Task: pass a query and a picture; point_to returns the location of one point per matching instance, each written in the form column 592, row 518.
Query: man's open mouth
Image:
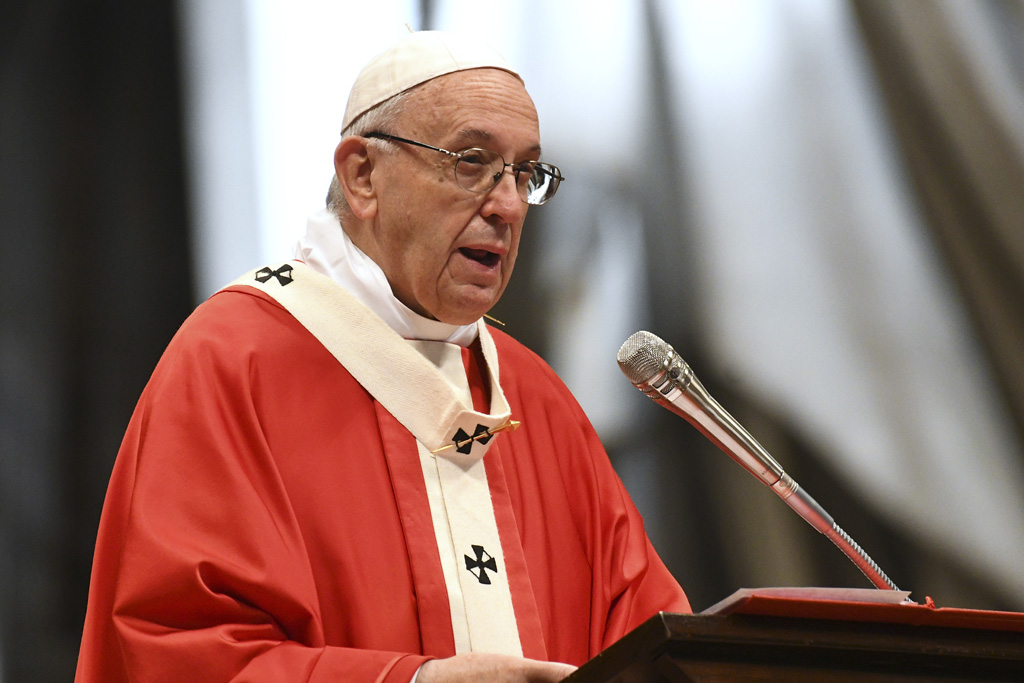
column 482, row 256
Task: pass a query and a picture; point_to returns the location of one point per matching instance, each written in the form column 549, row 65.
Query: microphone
column 657, row 370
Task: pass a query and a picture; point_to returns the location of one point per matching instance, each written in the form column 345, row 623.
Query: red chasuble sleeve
column 250, row 531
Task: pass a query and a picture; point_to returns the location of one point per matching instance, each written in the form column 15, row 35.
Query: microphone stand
column 657, row 370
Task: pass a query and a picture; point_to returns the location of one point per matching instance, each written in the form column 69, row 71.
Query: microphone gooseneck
column 657, row 370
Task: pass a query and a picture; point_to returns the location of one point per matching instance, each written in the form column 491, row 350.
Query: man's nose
column 504, row 200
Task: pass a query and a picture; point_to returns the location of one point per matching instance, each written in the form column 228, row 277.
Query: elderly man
column 338, row 471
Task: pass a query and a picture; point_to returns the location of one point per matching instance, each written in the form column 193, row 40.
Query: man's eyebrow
column 474, row 136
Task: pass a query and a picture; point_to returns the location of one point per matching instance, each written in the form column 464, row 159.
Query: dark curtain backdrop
column 95, row 278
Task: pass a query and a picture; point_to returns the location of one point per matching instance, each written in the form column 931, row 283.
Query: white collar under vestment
column 329, row 251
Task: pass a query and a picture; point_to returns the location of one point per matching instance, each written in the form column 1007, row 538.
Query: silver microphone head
column 643, row 356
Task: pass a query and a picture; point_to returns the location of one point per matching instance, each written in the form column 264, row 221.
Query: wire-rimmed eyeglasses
column 478, row 170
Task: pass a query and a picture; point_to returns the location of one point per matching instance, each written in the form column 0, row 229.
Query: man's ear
column 353, row 165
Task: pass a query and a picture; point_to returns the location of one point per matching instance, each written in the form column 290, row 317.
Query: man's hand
column 487, row 667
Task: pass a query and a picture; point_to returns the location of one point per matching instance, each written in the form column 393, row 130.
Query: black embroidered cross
column 283, row 274
column 464, row 442
column 479, row 564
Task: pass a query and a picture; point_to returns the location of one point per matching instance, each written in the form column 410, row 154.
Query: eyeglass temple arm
column 388, row 136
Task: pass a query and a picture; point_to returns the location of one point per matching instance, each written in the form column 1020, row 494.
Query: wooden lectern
column 816, row 635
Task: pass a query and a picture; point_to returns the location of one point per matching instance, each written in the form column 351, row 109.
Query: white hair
column 379, row 118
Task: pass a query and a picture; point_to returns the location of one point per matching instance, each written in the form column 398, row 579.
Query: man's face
column 448, row 252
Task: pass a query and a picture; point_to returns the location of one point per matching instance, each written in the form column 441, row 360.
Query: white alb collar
column 329, row 251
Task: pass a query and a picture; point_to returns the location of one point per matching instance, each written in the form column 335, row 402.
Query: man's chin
column 466, row 311
column 462, row 317
column 465, row 303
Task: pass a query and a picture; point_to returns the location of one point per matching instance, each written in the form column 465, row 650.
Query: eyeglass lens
column 478, row 170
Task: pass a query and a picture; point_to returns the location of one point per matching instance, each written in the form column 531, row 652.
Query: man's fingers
column 548, row 672
column 489, row 667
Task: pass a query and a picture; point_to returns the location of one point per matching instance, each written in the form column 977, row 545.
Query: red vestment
column 266, row 520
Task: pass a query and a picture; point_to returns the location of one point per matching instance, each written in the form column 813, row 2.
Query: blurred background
column 818, row 203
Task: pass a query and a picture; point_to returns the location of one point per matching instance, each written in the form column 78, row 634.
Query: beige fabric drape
column 952, row 73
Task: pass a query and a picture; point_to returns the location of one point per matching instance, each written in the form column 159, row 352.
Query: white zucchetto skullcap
column 415, row 59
